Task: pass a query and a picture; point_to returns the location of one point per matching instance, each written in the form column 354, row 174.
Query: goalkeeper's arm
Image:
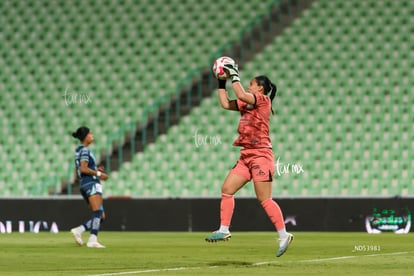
column 237, row 87
column 225, row 102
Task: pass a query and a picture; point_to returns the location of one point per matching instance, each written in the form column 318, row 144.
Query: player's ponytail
column 269, row 87
column 81, row 133
column 273, row 91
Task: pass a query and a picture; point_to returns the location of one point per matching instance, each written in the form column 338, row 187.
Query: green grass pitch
column 181, row 253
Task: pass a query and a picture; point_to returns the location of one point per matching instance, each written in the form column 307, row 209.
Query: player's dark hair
column 81, row 133
column 269, row 87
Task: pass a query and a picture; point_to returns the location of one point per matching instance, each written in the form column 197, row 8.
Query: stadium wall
column 195, row 214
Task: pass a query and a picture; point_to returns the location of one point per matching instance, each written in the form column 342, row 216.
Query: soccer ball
column 218, row 70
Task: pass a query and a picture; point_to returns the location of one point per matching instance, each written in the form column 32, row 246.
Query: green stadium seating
column 343, row 112
column 121, row 55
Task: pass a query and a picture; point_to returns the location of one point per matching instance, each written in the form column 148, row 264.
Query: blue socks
column 95, row 222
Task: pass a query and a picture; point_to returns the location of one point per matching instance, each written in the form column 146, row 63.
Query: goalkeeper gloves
column 233, row 72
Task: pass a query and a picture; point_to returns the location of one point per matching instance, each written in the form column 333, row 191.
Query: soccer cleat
column 77, row 234
column 218, row 236
column 284, row 244
column 94, row 244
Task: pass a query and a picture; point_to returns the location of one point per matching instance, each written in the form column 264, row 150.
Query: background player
column 90, row 187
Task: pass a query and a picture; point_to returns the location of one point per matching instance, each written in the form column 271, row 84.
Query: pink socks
column 226, row 209
column 271, row 208
column 273, row 211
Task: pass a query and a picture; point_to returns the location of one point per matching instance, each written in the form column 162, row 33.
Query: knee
column 227, row 191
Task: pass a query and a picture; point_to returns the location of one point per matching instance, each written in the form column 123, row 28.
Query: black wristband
column 221, row 84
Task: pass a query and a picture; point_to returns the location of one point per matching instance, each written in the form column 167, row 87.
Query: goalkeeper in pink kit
column 256, row 160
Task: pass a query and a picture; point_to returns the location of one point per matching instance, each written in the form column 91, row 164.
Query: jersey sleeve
column 84, row 155
column 262, row 100
column 240, row 104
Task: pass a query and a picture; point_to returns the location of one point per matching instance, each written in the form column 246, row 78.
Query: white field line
column 154, row 270
column 254, row 264
column 350, row 257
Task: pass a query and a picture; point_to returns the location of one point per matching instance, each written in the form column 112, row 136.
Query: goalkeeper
column 256, row 161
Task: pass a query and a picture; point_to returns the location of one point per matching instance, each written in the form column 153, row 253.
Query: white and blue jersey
column 82, row 153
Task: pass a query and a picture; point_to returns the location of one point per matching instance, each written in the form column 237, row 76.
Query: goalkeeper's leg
column 230, row 186
column 273, row 211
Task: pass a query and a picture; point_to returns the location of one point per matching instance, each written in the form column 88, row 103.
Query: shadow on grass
column 231, row 263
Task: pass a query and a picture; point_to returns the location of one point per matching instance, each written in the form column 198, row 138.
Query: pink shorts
column 256, row 164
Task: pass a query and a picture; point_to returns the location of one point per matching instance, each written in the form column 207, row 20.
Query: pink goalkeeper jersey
column 254, row 123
